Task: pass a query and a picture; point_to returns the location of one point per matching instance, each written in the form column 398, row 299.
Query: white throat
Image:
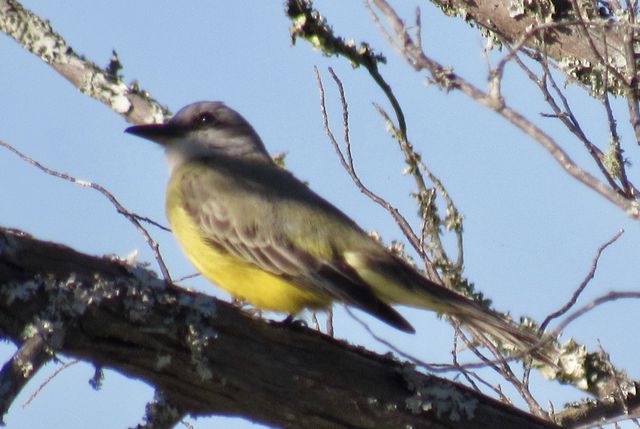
column 175, row 158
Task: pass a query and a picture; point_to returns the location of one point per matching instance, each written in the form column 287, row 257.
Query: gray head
column 205, row 129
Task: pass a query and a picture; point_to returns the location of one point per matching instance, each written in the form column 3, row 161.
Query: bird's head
column 204, row 129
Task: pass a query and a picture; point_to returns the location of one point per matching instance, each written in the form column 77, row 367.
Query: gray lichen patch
column 443, row 399
column 91, row 291
column 19, row 291
column 163, row 361
column 200, row 335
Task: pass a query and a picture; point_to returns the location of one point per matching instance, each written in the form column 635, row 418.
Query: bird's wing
column 251, row 221
column 239, row 220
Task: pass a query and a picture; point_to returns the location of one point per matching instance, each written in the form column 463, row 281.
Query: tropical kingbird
column 258, row 232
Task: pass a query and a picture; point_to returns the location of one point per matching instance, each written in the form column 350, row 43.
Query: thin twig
column 469, row 375
column 566, row 116
column 576, row 294
column 434, row 367
column 454, row 358
column 432, row 221
column 611, row 296
column 329, row 322
column 48, row 380
column 187, row 277
column 314, row 321
column 134, row 219
column 347, row 163
column 501, row 366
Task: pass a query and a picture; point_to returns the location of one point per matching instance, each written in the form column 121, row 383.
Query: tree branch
column 207, row 357
column 411, row 51
column 578, row 49
column 18, row 370
column 38, row 37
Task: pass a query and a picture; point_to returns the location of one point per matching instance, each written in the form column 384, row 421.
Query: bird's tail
column 396, row 282
column 483, row 322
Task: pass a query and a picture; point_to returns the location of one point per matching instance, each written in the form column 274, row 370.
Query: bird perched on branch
column 256, row 231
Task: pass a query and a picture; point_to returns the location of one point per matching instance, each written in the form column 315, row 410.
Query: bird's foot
column 291, row 322
column 246, row 307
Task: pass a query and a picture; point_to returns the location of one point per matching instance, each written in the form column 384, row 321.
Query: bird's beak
column 158, row 133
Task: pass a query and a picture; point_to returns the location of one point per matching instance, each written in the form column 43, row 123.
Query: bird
column 255, row 230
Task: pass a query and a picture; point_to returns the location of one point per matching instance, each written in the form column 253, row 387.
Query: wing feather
column 243, row 218
column 236, row 225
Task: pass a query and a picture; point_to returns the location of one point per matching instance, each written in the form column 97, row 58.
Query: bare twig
column 454, row 358
column 611, row 296
column 347, row 163
column 501, row 366
column 329, row 322
column 469, row 375
column 187, row 277
column 133, row 218
column 426, row 208
column 576, row 294
column 314, row 321
column 430, row 221
column 433, row 367
column 309, row 24
column 566, row 116
column 48, row 380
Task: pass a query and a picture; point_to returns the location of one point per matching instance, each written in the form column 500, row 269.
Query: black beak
column 158, row 133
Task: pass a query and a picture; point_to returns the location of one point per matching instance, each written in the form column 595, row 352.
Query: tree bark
column 208, row 357
column 580, row 42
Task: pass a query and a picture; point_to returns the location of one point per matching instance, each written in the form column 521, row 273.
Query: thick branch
column 599, row 412
column 208, row 357
column 568, row 45
column 37, row 36
column 18, row 370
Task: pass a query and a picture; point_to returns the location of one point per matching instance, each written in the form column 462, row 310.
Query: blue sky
column 530, row 230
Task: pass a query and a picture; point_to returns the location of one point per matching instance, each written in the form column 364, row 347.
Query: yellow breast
column 241, row 279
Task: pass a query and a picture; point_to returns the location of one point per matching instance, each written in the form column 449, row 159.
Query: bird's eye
column 206, row 119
